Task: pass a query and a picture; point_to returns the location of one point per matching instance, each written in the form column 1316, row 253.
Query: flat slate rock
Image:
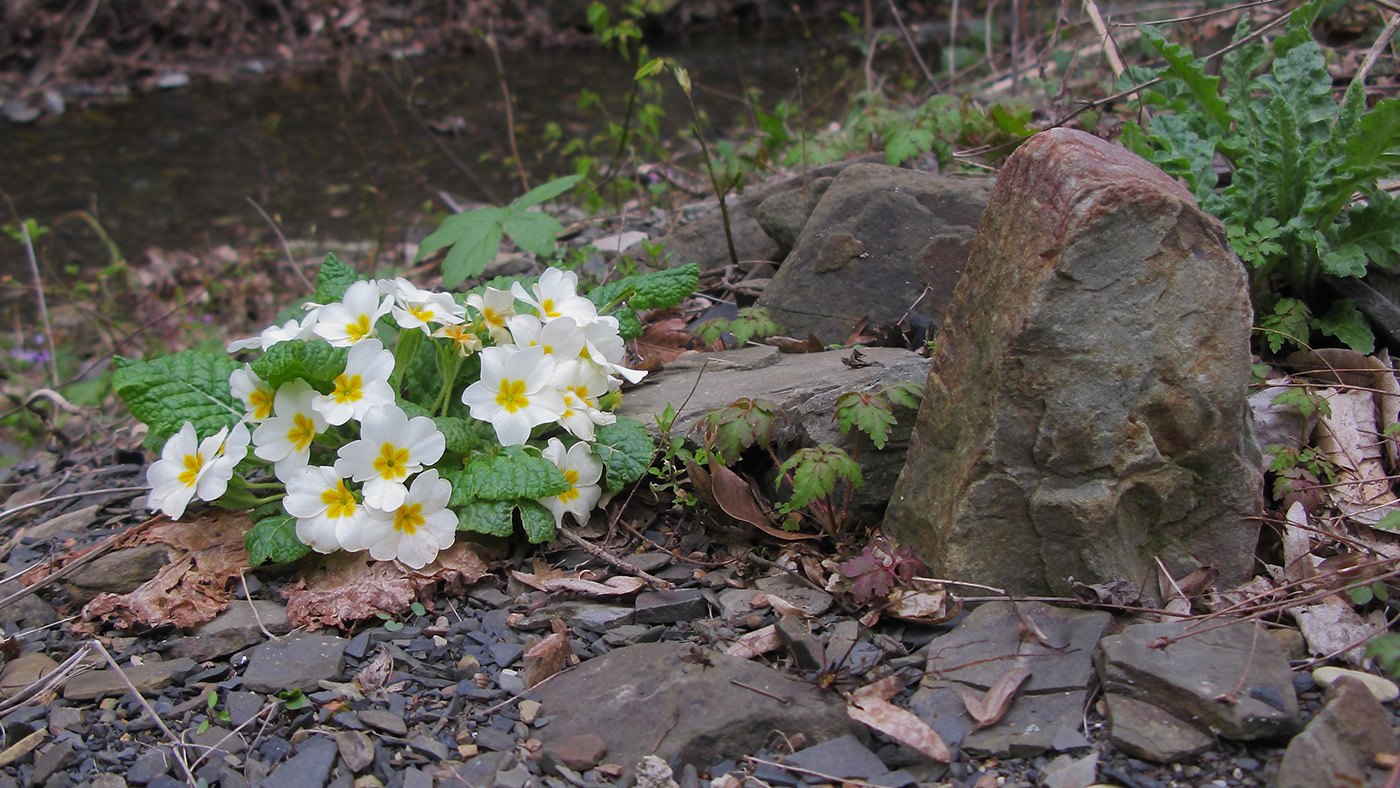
column 1234, row 680
column 146, row 678
column 298, row 662
column 685, row 705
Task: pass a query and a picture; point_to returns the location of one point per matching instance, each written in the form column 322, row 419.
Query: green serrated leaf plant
column 1303, row 199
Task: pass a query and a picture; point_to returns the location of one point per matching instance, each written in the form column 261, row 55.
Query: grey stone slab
column 297, row 662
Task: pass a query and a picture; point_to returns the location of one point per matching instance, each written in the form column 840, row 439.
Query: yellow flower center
column 348, row 388
column 392, row 462
column 338, row 500
column 571, row 476
column 302, row 431
column 261, row 401
column 512, row 396
column 193, row 464
column 547, row 306
column 423, row 313
column 409, row 518
column 359, row 329
column 493, row 318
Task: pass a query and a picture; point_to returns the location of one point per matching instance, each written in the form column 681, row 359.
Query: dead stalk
column 510, row 114
column 39, row 295
column 913, row 48
column 612, row 560
column 178, row 749
column 1377, row 48
column 49, row 681
column 286, row 247
column 1110, row 47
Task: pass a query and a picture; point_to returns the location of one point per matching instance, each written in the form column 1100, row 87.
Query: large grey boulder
column 881, row 243
column 1085, row 411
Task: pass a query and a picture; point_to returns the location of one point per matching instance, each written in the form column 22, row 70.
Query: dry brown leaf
column 790, row 345
column 1348, row 439
column 1331, row 625
column 1348, row 367
column 545, row 658
column 666, row 340
column 345, row 587
column 990, row 708
column 759, row 641
column 614, row 586
column 926, row 606
column 870, row 706
column 197, row 585
column 736, row 499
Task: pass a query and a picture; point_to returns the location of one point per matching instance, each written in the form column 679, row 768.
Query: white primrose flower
column 414, row 531
column 352, row 319
column 285, row 439
column 581, row 383
column 561, row 338
column 189, row 467
column 421, row 309
column 602, row 344
column 391, row 448
column 464, row 339
column 514, row 393
column 495, row 307
column 288, row 331
column 583, row 469
column 363, row 385
column 328, row 516
column 556, row 295
column 253, row 391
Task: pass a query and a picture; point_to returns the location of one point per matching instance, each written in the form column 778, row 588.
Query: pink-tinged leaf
column 989, row 709
column 869, row 706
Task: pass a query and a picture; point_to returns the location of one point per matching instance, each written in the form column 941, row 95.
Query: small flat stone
column 217, row 737
column 65, row 718
column 118, row 572
column 145, row 678
column 580, row 753
column 805, row 598
column 233, row 630
column 244, row 706
column 310, row 767
column 1340, row 744
column 426, row 745
column 843, row 757
column 1067, row 771
column 23, row 671
column 52, row 759
column 416, row 778
column 1383, row 689
column 669, row 607
column 1145, row 731
column 494, row 740
column 505, row 654
column 384, row 721
column 149, row 765
column 355, row 749
column 298, row 662
column 578, row 614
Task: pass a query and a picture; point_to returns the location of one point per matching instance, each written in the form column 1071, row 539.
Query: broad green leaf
column 1373, row 228
column 422, row 380
column 1344, row 260
column 655, row 290
column 459, row 227
column 906, row 393
column 333, row 279
column 1184, row 66
column 537, row 521
column 1377, row 136
column 1299, row 29
column 741, row 424
column 534, row 231
column 191, row 385
column 1136, row 140
column 904, row 141
column 312, row 360
column 626, row 449
column 1345, row 322
column 470, row 256
column 274, row 538
column 496, row 518
column 507, row 475
column 547, row 191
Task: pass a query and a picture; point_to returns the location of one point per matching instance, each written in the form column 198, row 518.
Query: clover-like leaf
column 815, row 470
column 626, row 449
column 164, row 393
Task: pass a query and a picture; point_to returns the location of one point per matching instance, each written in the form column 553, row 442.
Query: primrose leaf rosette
column 388, row 418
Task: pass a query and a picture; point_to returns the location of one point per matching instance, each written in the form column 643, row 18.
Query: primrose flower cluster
column 360, row 453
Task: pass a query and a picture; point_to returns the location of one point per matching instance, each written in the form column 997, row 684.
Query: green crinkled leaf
column 1345, row 322
column 312, row 360
column 1281, row 165
column 1184, row 66
column 1373, row 228
column 629, row 326
column 464, row 435
column 507, row 475
column 534, row 231
column 1376, row 137
column 1187, row 153
column 1300, row 78
column 496, row 518
column 626, row 450
column 333, row 279
column 1345, row 260
column 537, row 521
column 274, row 539
column 191, row 385
column 655, row 290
